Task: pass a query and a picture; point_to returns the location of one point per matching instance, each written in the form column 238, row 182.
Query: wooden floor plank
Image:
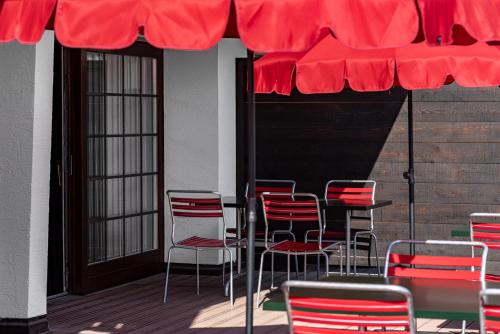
column 138, row 307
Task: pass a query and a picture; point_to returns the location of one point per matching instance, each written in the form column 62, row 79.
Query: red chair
column 186, row 207
column 489, row 311
column 354, row 191
column 438, row 266
column 322, row 312
column 297, row 208
column 485, row 227
column 272, row 186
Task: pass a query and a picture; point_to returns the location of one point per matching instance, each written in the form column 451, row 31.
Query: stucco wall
column 25, row 130
column 200, row 137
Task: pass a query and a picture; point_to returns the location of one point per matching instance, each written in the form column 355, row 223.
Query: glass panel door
column 122, row 164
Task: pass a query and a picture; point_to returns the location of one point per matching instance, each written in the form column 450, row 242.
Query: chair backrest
column 195, row 205
column 365, row 306
column 350, row 190
column 489, row 311
column 437, row 266
column 272, row 186
column 485, row 227
column 291, row 207
column 355, row 191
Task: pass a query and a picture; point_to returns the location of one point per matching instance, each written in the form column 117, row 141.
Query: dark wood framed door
column 116, row 166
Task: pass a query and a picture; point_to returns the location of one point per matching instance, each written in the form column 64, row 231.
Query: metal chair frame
column 483, row 295
column 484, row 236
column 289, row 232
column 237, row 243
column 472, row 244
column 268, row 249
column 370, row 232
column 404, row 292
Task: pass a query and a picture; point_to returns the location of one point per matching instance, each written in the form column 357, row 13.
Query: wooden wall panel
column 314, row 138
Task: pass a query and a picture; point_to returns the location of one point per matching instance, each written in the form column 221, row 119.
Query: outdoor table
column 432, row 298
column 350, row 206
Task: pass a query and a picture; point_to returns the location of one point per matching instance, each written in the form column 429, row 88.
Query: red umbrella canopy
column 263, row 25
column 330, row 66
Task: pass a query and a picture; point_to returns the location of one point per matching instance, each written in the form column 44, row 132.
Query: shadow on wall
column 315, row 138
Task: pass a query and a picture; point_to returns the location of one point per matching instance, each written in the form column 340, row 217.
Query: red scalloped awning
column 23, row 20
column 263, row 25
column 478, row 19
column 172, row 24
column 329, row 67
column 296, row 25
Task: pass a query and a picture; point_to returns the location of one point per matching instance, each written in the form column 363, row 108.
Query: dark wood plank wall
column 314, row 138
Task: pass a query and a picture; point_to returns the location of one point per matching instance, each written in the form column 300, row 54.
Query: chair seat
column 492, row 278
column 298, row 247
column 199, row 242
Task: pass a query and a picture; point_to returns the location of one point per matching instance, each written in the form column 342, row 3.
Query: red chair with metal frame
column 489, row 311
column 354, row 191
column 485, row 228
column 437, row 266
column 312, row 309
column 188, row 206
column 272, row 186
column 300, row 208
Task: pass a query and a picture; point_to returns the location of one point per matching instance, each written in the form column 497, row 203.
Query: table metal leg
column 348, row 241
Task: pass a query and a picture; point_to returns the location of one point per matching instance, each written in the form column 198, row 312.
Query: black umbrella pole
column 411, row 173
column 251, row 204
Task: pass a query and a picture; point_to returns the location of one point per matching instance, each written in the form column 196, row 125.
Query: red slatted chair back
column 293, row 208
column 335, row 308
column 489, row 313
column 437, row 266
column 351, row 190
column 272, row 186
column 189, row 206
column 485, row 227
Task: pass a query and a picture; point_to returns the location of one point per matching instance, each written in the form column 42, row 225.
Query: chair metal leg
column 223, row 267
column 327, row 265
column 376, row 252
column 259, row 283
column 296, row 259
column 272, row 265
column 464, row 325
column 341, row 253
column 355, row 254
column 197, row 274
column 231, row 296
column 168, row 270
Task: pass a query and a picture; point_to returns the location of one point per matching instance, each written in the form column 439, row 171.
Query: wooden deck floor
column 137, row 308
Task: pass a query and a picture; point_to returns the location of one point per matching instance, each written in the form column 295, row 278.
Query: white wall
column 200, row 135
column 26, row 74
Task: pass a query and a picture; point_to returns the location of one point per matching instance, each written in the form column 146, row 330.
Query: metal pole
column 410, row 174
column 251, row 204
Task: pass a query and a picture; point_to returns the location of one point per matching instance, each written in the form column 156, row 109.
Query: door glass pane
column 122, row 159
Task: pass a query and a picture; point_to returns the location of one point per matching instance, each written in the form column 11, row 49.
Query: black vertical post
column 410, row 175
column 251, row 204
